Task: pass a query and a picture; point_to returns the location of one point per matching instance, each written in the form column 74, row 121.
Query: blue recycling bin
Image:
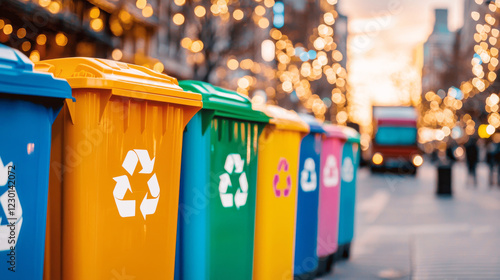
column 29, row 103
column 306, row 257
column 349, row 169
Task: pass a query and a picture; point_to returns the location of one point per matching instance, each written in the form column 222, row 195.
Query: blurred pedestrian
column 472, row 156
column 491, row 151
column 450, row 153
column 496, row 158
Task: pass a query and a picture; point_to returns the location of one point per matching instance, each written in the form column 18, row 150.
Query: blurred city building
column 439, row 55
column 459, row 79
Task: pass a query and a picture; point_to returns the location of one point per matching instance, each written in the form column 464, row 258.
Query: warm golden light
column 200, row 11
column 186, row 43
column 35, row 56
column 260, row 10
column 159, row 67
column 117, row 54
column 44, row 3
column 21, row 33
column 147, row 11
column 418, row 160
column 197, row 46
column 97, row 24
column 54, row 7
column 26, row 46
column 263, row 23
column 238, row 14
column 232, row 64
column 61, row 39
column 7, row 29
column 178, row 19
column 180, row 2
column 41, row 39
column 377, row 158
column 95, row 12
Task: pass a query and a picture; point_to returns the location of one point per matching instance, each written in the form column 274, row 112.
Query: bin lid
column 225, row 103
column 17, row 77
column 124, row 79
column 314, row 124
column 283, row 119
column 351, row 134
column 334, row 131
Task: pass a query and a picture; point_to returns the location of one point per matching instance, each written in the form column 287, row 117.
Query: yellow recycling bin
column 278, row 164
column 115, row 170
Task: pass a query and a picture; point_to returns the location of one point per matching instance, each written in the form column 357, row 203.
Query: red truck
column 395, row 140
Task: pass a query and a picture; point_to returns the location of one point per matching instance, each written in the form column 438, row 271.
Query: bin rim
column 314, row 124
column 352, row 136
column 334, row 131
column 121, row 78
column 224, row 102
column 18, row 78
column 283, row 118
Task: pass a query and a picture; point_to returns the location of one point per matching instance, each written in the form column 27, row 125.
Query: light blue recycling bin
column 306, row 235
column 29, row 103
column 349, row 170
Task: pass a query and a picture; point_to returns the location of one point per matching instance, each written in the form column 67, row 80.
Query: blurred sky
column 386, row 38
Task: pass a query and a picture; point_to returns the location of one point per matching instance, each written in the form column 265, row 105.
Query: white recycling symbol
column 331, row 176
column 126, row 208
column 233, row 165
column 308, row 177
column 347, row 170
column 11, row 208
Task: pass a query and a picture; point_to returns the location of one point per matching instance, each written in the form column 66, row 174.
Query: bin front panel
column 276, row 203
column 121, row 167
column 233, row 172
column 306, row 258
column 350, row 162
column 329, row 194
column 217, row 206
column 24, row 171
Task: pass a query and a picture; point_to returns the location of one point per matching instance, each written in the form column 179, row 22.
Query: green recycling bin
column 218, row 187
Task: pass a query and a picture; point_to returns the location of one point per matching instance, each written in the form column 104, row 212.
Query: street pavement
column 404, row 231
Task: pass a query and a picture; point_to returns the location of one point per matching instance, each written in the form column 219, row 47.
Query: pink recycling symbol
column 282, row 166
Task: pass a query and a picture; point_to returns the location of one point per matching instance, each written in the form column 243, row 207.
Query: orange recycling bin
column 114, row 172
column 278, row 164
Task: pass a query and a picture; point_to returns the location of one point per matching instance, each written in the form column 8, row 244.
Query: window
column 396, row 136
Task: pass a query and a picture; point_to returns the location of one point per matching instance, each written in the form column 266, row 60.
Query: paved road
column 404, row 231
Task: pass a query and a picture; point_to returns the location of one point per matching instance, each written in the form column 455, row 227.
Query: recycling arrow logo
column 282, row 166
column 126, row 208
column 348, row 170
column 308, row 178
column 234, row 165
column 11, row 207
column 331, row 176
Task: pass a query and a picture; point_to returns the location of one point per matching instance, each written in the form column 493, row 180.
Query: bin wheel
column 330, row 264
column 346, row 253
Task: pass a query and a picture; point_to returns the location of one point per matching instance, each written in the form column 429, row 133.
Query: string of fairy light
column 485, row 63
column 294, row 72
column 297, row 66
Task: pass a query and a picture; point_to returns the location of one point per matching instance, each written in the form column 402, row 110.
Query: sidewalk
column 404, row 231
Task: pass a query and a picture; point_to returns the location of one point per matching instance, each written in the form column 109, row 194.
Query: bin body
column 350, row 164
column 279, row 147
column 306, row 257
column 114, row 214
column 218, row 186
column 29, row 102
column 331, row 156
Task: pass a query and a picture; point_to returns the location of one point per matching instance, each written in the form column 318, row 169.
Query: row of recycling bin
column 110, row 170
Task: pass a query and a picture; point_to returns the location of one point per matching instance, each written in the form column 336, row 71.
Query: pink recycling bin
column 329, row 194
